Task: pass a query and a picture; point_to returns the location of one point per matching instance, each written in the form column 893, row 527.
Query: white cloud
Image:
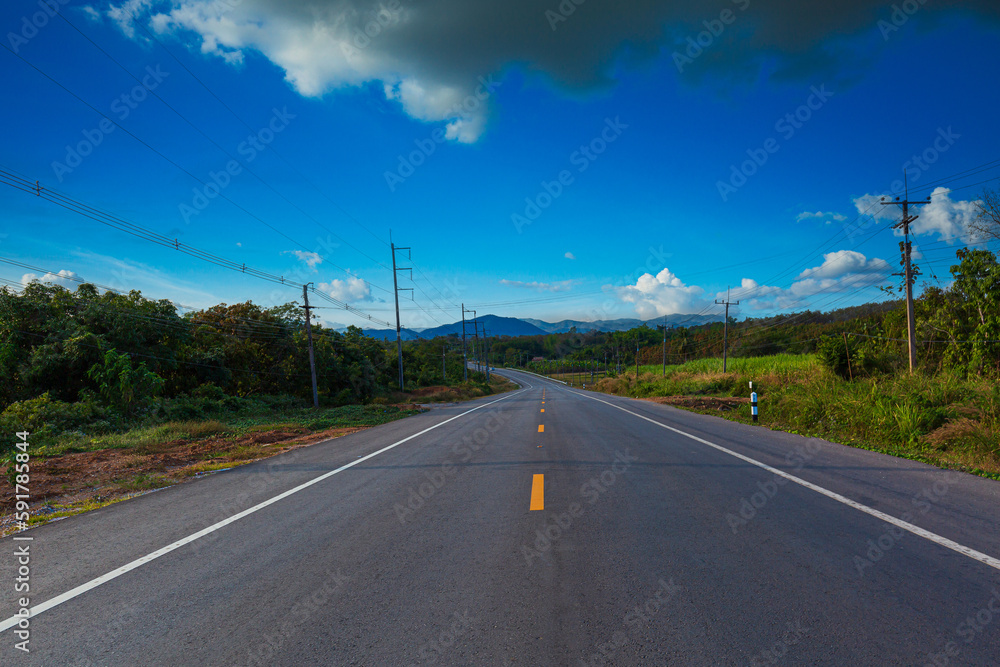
column 323, row 46
column 68, row 279
column 662, row 294
column 828, row 216
column 350, row 290
column 947, row 218
column 122, row 14
column 942, row 216
column 840, row 271
column 569, row 255
column 310, row 259
column 561, row 286
column 845, row 262
column 428, row 56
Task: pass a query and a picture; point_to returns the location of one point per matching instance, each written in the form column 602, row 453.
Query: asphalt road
column 651, row 547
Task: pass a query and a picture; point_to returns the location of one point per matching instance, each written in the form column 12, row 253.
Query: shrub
column 123, row 386
column 46, row 418
column 833, row 354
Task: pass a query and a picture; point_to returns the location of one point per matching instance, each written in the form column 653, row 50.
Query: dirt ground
column 701, row 402
column 63, row 482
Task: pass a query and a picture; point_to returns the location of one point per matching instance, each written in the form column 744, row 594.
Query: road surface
column 545, row 526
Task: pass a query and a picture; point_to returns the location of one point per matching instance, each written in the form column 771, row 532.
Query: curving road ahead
column 546, row 526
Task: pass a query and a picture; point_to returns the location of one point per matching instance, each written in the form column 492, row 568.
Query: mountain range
column 512, row 326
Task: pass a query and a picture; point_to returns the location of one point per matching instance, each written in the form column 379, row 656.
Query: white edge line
column 888, row 518
column 103, row 579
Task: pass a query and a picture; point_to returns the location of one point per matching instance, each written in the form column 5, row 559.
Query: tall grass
column 943, row 419
column 776, row 364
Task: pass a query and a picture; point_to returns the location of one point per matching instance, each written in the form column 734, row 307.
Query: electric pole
column 911, row 325
column 725, row 328
column 309, row 334
column 395, row 284
column 486, row 350
column 465, row 349
column 664, row 346
column 475, row 342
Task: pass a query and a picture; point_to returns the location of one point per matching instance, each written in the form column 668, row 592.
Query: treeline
column 125, row 352
column 958, row 329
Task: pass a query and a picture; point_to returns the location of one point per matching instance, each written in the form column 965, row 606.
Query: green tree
column 125, row 386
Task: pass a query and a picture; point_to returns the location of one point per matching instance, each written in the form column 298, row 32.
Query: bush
column 125, row 387
column 46, row 418
column 855, row 359
column 833, row 354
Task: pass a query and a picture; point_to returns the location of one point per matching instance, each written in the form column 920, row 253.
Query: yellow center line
column 541, row 428
column 543, row 409
column 538, row 492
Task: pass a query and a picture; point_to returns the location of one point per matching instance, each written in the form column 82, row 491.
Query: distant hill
column 623, row 324
column 495, row 325
column 512, row 326
column 390, row 334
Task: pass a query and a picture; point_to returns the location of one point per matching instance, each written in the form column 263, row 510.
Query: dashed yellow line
column 543, row 409
column 541, row 428
column 538, row 492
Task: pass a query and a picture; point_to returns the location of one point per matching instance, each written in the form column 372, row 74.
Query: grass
column 149, row 439
column 147, row 458
column 944, row 420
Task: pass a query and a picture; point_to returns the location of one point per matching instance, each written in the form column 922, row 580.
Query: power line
column 244, row 123
column 121, row 224
column 221, row 195
column 214, row 143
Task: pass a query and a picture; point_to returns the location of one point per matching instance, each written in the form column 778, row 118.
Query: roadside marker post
column 753, row 403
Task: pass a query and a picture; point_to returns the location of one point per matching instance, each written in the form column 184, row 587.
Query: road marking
column 888, row 518
column 541, row 428
column 543, row 409
column 83, row 588
column 538, row 492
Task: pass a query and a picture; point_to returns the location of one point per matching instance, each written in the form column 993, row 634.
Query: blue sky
column 585, row 168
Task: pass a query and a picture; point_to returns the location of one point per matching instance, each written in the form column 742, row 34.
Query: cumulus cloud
column 350, row 290
column 946, row 217
column 429, row 55
column 68, row 279
column 662, row 294
column 843, row 270
column 310, row 259
column 561, row 286
column 845, row 262
column 942, row 216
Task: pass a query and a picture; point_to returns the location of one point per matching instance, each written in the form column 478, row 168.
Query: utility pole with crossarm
column 396, row 290
column 725, row 328
column 309, row 333
column 911, row 326
column 465, row 349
